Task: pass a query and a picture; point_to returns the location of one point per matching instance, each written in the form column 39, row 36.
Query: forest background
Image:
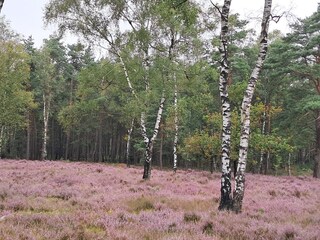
column 59, row 101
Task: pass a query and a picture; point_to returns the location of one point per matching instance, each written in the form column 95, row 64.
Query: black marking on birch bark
column 1, row 4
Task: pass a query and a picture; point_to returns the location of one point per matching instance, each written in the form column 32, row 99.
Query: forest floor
column 82, row 201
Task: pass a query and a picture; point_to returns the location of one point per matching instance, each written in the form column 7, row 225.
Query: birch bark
column 28, row 135
column 1, row 4
column 46, row 109
column 129, row 143
column 176, row 126
column 245, row 110
column 225, row 199
column 150, row 141
column 263, row 132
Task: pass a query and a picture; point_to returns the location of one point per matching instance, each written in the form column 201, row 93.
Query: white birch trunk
column 129, row 143
column 176, row 126
column 225, row 199
column 149, row 142
column 263, row 131
column 245, row 110
column 125, row 70
column 28, row 135
column 46, row 108
column 289, row 164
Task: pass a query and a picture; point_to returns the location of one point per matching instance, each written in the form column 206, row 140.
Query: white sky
column 26, row 16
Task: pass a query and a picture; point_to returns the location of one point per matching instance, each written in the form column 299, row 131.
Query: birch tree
column 245, row 109
column 44, row 76
column 177, row 31
column 99, row 22
column 227, row 201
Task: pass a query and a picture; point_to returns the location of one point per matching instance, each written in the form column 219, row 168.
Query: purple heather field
column 62, row 200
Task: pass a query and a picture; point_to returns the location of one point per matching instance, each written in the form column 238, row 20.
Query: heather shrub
column 71, row 201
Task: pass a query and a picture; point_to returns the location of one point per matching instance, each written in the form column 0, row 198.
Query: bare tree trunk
column 176, row 126
column 100, row 145
column 316, row 167
column 225, row 199
column 28, row 135
column 95, row 146
column 66, row 155
column 245, row 110
column 289, row 164
column 129, row 143
column 266, row 168
column 46, row 107
column 161, row 149
column 263, row 132
column 1, row 139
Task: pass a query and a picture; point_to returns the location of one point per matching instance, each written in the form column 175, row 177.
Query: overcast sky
column 26, row 16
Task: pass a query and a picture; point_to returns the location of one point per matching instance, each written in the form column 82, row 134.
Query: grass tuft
column 141, row 204
column 191, row 217
column 172, row 227
column 289, row 234
column 272, row 193
column 208, row 228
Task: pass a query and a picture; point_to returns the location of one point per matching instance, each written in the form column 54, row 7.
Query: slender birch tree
column 44, row 71
column 226, row 198
column 87, row 19
column 178, row 27
column 176, row 125
column 245, row 109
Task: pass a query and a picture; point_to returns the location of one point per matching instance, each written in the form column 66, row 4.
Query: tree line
column 154, row 98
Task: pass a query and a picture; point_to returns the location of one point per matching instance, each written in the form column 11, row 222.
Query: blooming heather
column 63, row 200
